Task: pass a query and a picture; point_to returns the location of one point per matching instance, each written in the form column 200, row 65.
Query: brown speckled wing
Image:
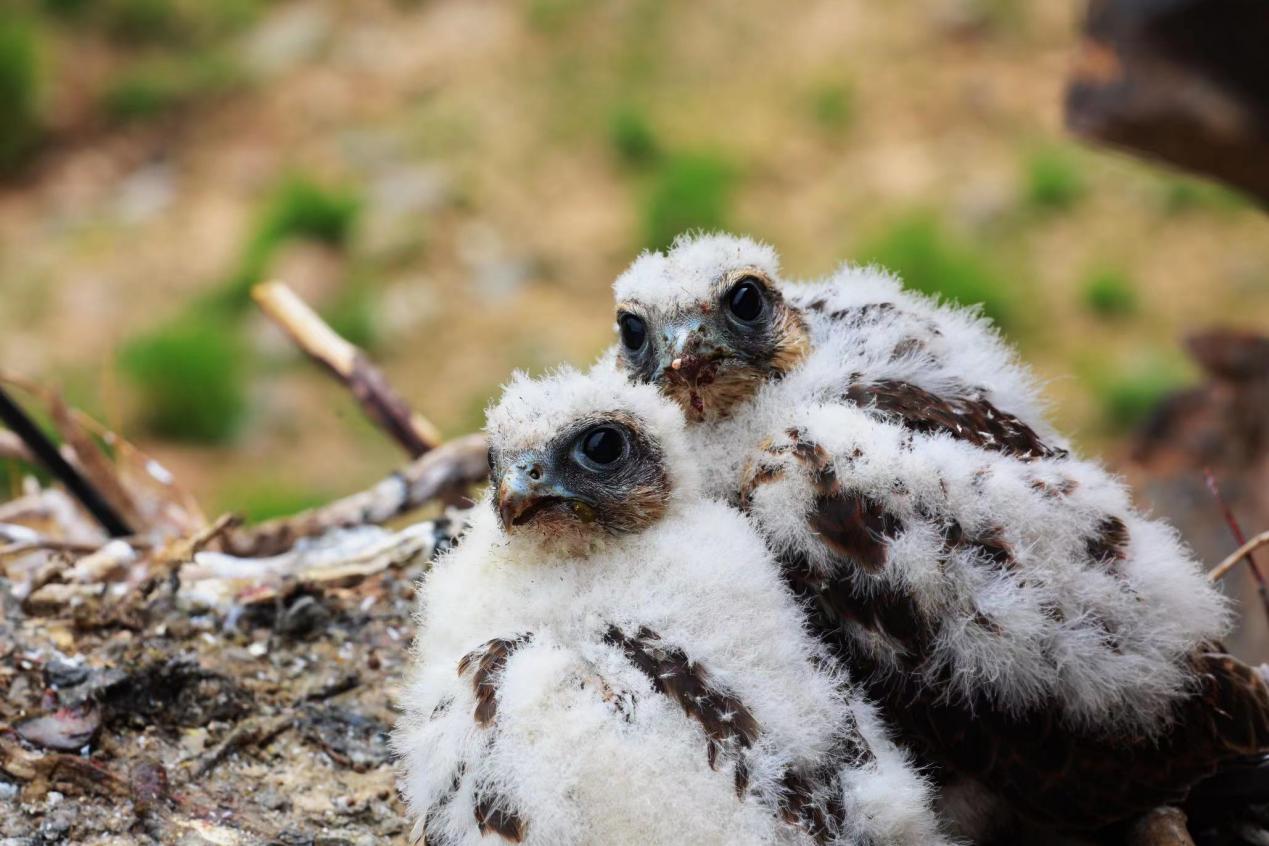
column 1086, row 781
column 1048, row 771
column 971, row 419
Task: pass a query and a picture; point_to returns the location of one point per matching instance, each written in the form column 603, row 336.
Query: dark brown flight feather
column 431, row 836
column 812, row 800
column 729, row 725
column 971, row 419
column 493, row 814
column 853, row 527
column 489, row 660
column 1109, row 544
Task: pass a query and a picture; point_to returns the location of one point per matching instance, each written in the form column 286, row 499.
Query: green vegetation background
column 455, row 184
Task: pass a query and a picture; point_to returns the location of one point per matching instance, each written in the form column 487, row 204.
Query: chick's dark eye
column 744, row 300
column 602, row 446
column 634, row 332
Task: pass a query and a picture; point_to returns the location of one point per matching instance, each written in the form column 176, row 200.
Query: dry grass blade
column 92, row 462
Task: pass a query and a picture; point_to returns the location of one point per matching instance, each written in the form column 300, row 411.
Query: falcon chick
column 1022, row 624
column 609, row 657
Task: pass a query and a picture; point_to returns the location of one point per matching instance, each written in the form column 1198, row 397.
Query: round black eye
column 745, row 300
column 634, row 332
column 602, row 446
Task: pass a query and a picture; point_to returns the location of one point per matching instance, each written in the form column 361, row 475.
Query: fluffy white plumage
column 1156, row 599
column 903, row 465
column 583, row 747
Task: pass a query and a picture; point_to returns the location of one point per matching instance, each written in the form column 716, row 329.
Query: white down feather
column 574, row 765
column 1156, row 601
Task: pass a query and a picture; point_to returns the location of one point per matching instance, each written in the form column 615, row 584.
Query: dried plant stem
column 1238, row 555
column 1239, row 537
column 350, row 365
column 446, row 472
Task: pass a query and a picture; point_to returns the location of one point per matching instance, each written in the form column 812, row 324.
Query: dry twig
column 381, row 403
column 1219, row 571
column 446, row 473
column 49, row 456
column 1241, row 539
column 250, row 732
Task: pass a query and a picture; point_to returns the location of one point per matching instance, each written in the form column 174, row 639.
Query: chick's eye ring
column 634, row 332
column 745, row 301
column 602, row 447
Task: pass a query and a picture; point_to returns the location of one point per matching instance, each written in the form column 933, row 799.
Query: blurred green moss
column 299, row 207
column 157, row 86
column 174, row 23
column 66, row 9
column 1053, row 179
column 1128, row 394
column 832, row 106
column 632, row 137
column 690, row 191
column 191, row 379
column 20, row 88
column 929, row 260
column 554, row 16
column 352, row 314
column 1181, row 194
column 266, row 499
column 302, row 207
column 1109, row 293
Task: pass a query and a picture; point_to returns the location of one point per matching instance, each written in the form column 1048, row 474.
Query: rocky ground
column 156, row 721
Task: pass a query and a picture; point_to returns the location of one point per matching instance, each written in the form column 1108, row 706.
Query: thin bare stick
column 49, row 456
column 444, row 473
column 1244, row 551
column 383, row 405
column 1239, row 537
column 250, row 732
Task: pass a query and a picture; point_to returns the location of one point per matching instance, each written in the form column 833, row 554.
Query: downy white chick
column 1025, row 627
column 608, row 657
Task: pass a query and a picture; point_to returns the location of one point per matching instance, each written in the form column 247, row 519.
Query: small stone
column 61, row 674
column 68, row 729
column 304, row 616
column 57, row 825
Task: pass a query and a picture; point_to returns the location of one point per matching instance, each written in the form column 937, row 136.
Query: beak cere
column 527, row 491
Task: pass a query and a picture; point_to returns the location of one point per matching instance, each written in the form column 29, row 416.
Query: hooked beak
column 689, row 355
column 526, row 490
